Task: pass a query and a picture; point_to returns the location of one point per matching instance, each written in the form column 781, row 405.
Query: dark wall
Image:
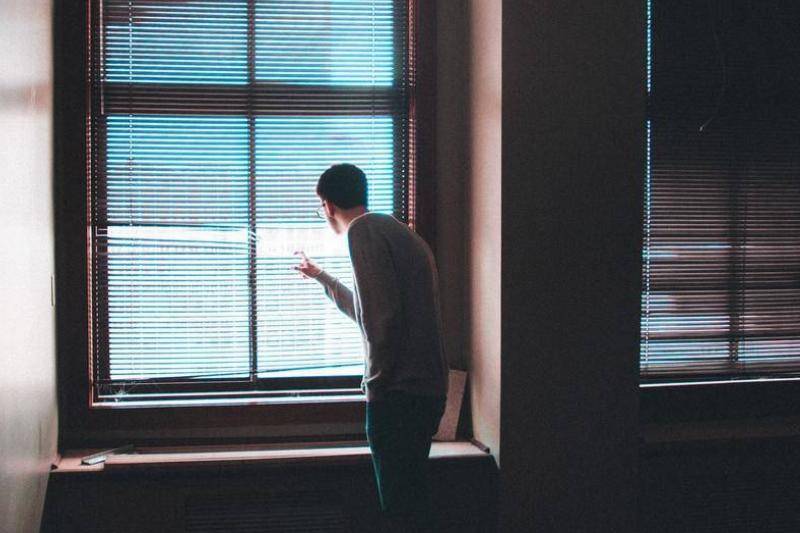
column 452, row 168
column 724, row 486
column 573, row 158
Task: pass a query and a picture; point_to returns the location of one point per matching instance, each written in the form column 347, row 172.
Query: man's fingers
column 299, row 270
column 305, row 264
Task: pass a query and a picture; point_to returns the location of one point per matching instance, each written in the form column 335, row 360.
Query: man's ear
column 330, row 208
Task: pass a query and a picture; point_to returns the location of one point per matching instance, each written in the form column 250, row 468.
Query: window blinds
column 211, row 122
column 721, row 265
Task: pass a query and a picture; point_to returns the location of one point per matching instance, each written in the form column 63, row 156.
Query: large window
column 211, row 122
column 721, row 273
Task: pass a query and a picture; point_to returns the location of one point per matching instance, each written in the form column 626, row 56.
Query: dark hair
column 344, row 185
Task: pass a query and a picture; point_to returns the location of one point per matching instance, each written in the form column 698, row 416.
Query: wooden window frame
column 81, row 425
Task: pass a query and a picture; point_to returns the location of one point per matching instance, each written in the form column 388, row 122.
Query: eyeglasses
column 320, row 211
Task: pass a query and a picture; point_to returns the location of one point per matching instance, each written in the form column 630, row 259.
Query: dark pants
column 399, row 430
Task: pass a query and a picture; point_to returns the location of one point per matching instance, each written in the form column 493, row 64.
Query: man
column 396, row 306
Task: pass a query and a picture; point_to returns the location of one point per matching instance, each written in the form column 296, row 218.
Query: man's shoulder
column 374, row 222
column 387, row 230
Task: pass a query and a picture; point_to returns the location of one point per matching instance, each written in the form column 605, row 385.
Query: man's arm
column 338, row 293
column 334, row 289
column 379, row 298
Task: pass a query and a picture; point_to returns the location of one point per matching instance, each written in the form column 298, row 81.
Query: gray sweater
column 396, row 306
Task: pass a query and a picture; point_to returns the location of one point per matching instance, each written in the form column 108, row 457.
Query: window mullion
column 251, row 230
column 737, row 264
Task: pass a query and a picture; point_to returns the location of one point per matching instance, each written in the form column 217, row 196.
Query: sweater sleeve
column 379, row 300
column 338, row 293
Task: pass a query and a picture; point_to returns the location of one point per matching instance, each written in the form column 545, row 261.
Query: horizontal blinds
column 721, row 273
column 174, row 246
column 340, row 42
column 770, row 318
column 211, row 122
column 291, row 318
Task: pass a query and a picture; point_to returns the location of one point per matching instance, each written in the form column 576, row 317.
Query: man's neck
column 350, row 215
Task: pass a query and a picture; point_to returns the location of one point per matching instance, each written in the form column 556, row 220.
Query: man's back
column 397, row 307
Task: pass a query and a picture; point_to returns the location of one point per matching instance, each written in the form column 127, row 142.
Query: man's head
column 342, row 189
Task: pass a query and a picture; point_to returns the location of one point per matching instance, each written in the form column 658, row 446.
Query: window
column 210, row 123
column 721, row 265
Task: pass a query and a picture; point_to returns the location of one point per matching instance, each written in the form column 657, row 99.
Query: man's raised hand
column 307, row 268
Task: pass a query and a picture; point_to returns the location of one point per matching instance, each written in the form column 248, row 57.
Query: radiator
column 284, row 512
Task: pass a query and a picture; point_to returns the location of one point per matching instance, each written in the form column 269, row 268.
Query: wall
column 468, row 200
column 572, row 162
column 452, row 167
column 28, row 413
column 483, row 248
